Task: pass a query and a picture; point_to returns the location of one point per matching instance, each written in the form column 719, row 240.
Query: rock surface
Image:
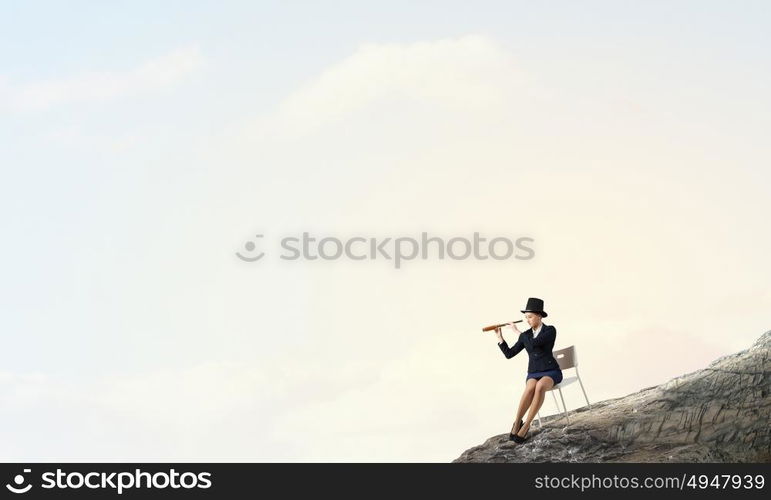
column 721, row 413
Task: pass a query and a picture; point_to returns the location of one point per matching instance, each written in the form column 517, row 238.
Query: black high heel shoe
column 514, row 437
column 517, row 438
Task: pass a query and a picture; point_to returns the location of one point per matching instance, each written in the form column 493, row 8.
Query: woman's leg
column 541, row 387
column 527, row 398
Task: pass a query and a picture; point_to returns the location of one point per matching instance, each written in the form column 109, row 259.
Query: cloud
column 468, row 74
column 204, row 411
column 75, row 136
column 153, row 74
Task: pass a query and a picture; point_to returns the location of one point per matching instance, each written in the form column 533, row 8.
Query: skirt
column 556, row 375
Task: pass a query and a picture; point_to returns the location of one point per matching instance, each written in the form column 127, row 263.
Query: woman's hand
column 499, row 334
column 514, row 327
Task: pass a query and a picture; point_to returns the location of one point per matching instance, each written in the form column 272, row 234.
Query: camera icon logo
column 18, row 481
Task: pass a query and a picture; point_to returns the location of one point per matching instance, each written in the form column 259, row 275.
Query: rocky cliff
column 721, row 413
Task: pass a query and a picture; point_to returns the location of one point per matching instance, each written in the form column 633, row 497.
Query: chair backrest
column 566, row 357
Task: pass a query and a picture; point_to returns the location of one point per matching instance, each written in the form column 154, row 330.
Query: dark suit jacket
column 538, row 349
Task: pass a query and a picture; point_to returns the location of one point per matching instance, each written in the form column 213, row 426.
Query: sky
column 142, row 145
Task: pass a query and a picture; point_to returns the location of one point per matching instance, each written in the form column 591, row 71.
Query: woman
column 543, row 371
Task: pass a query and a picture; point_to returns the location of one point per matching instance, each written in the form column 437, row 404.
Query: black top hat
column 535, row 306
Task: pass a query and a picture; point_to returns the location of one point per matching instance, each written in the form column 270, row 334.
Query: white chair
column 567, row 359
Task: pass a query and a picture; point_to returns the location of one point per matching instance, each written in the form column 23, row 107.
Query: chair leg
column 555, row 401
column 539, row 419
column 582, row 390
column 565, row 407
